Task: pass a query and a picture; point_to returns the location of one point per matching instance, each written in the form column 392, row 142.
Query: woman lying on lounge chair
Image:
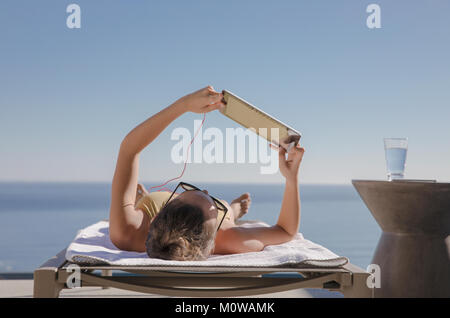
column 191, row 225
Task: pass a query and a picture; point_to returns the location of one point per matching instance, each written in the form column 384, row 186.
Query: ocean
column 37, row 220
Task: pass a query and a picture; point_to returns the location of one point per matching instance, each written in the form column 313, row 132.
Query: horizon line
column 161, row 182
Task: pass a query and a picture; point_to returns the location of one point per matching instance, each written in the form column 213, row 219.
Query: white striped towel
column 92, row 246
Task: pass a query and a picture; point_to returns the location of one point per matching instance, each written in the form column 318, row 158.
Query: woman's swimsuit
column 153, row 202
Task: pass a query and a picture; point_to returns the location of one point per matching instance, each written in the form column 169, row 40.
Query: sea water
column 395, row 162
column 37, row 220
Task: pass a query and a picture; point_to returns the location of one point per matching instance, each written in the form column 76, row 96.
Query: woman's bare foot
column 241, row 205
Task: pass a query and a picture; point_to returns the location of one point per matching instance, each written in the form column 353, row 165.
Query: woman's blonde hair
column 179, row 232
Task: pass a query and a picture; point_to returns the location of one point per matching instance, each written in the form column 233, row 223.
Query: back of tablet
column 252, row 117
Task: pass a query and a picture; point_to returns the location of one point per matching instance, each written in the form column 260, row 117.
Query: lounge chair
column 350, row 280
column 221, row 276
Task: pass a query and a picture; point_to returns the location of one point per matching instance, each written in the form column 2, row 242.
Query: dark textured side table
column 414, row 249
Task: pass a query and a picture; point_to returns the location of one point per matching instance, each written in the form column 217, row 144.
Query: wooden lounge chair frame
column 181, row 281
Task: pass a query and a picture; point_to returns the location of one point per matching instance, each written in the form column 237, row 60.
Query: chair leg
column 106, row 273
column 46, row 283
column 358, row 288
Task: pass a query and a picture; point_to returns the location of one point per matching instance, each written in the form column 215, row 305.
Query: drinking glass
column 395, row 151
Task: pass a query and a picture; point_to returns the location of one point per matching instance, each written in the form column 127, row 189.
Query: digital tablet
column 254, row 118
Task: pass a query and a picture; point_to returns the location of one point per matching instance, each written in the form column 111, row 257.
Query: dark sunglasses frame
column 189, row 187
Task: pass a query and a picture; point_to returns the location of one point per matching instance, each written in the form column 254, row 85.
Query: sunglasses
column 221, row 208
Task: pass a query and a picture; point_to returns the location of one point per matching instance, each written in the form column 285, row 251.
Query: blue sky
column 69, row 96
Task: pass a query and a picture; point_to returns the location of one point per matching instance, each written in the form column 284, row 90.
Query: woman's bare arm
column 289, row 218
column 125, row 222
column 127, row 228
column 240, row 239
